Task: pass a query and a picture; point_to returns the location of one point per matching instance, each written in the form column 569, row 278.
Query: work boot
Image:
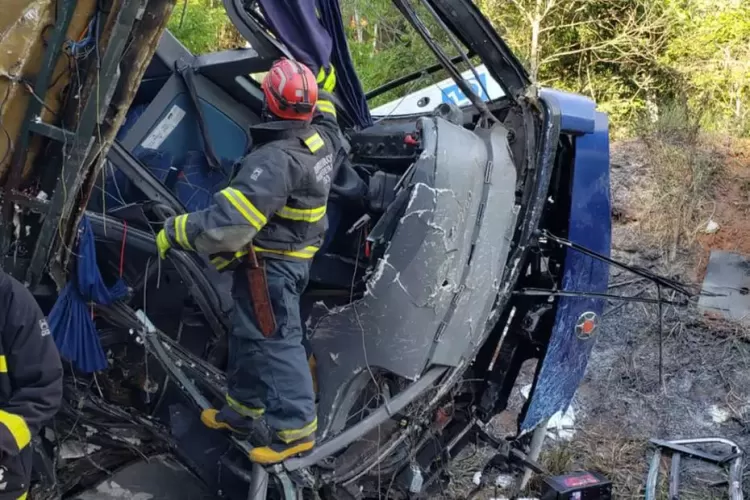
column 278, row 450
column 253, row 429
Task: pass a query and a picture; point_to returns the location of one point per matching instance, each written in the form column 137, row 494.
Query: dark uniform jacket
column 278, row 198
column 30, row 368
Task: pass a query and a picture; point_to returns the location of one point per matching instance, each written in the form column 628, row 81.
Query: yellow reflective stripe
column 245, row 207
column 24, row 496
column 3, row 364
column 183, row 229
column 327, row 80
column 177, row 235
column 305, row 253
column 17, row 427
column 296, row 434
column 243, row 410
column 314, row 142
column 302, row 214
column 220, row 262
column 326, row 107
column 180, row 231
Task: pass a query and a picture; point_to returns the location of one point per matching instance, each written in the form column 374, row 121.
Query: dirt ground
column 705, row 390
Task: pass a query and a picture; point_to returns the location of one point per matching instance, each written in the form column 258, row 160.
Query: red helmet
column 290, row 90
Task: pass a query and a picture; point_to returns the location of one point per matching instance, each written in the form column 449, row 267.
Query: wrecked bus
column 447, row 264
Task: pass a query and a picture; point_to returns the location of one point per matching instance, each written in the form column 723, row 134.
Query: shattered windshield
column 398, row 70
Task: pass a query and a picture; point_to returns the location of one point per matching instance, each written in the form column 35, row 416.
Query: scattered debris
column 112, row 490
column 72, row 449
column 719, row 415
column 681, row 448
column 561, row 426
column 712, row 227
column 577, row 485
column 726, row 287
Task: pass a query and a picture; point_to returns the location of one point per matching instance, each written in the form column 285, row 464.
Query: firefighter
column 30, row 384
column 271, row 219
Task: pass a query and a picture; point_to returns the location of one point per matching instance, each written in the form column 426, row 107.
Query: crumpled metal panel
column 409, row 294
column 590, row 225
column 466, row 328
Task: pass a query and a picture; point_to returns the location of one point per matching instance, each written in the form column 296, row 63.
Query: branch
column 550, row 6
column 523, row 10
column 637, row 37
column 569, row 25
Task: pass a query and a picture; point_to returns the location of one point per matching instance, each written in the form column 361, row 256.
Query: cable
column 645, row 273
column 33, row 94
column 122, row 246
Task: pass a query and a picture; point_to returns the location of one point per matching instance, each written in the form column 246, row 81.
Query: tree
column 712, row 54
column 384, row 46
column 608, row 49
column 203, row 26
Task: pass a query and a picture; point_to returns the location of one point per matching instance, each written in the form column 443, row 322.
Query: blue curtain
column 315, row 36
column 70, row 320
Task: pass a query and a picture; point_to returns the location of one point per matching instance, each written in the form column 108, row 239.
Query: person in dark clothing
column 267, row 225
column 30, row 383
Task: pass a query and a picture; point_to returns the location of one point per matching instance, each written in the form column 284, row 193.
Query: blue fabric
column 70, row 320
column 318, row 43
column 296, row 24
column 191, row 181
column 348, row 87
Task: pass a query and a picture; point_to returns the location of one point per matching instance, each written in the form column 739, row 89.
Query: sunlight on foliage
column 203, row 26
column 630, row 56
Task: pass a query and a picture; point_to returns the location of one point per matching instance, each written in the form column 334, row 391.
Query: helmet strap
column 266, row 115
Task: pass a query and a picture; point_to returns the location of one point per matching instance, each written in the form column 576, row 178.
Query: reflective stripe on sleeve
column 325, row 106
column 314, row 142
column 245, row 207
column 180, row 231
column 17, row 427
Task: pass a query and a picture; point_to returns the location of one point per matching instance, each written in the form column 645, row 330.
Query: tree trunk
column 184, row 11
column 360, row 34
column 536, row 26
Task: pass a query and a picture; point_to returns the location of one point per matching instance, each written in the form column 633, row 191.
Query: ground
column 705, row 387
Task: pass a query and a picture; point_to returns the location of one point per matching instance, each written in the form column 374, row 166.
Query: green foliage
column 202, row 26
column 631, row 56
column 712, row 54
column 384, row 46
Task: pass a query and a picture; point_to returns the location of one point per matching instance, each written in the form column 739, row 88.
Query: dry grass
column 624, row 461
column 684, row 167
